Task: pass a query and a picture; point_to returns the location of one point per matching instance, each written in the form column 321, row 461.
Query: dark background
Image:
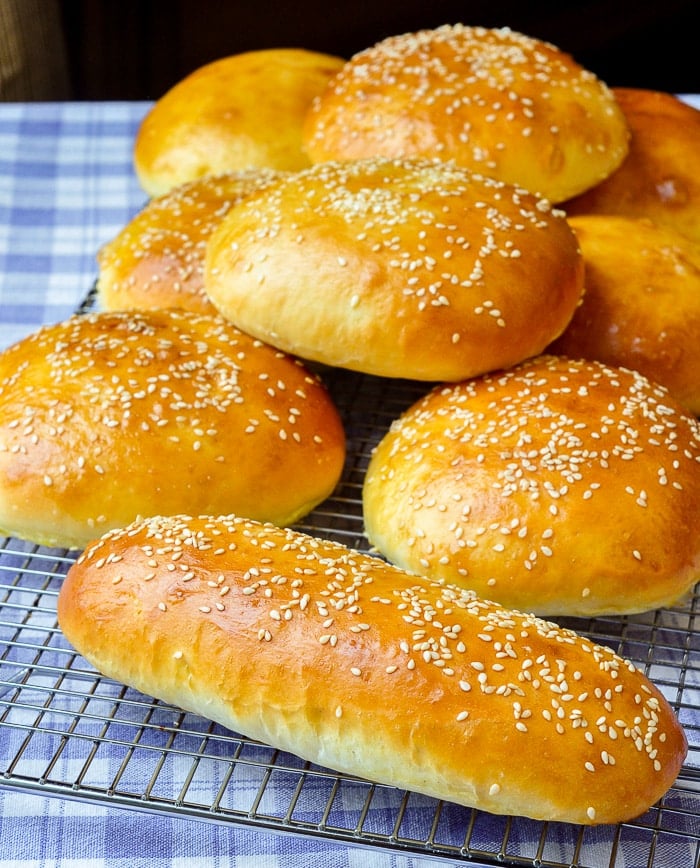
column 137, row 49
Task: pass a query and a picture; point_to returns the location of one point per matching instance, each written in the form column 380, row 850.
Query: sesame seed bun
column 558, row 487
column 659, row 178
column 354, row 665
column 157, row 259
column 109, row 416
column 502, row 103
column 641, row 307
column 399, row 268
column 239, row 112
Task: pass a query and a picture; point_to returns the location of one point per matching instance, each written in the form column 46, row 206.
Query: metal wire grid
column 67, row 731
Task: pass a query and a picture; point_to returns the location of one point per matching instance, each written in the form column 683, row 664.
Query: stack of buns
column 420, row 211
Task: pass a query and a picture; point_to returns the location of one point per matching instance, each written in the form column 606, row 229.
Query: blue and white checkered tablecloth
column 67, row 186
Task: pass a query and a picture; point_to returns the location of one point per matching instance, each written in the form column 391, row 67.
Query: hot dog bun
column 355, row 665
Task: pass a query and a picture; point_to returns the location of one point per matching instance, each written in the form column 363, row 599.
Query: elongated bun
column 357, row 666
column 659, row 178
column 243, row 111
column 502, row 103
column 109, row 416
column 641, row 307
column 400, row 268
column 559, row 487
column 157, row 259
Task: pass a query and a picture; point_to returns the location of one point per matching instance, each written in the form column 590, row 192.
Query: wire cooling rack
column 67, row 731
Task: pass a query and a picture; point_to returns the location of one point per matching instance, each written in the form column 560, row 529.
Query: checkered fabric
column 66, row 187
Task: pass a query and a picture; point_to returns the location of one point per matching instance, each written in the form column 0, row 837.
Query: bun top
column 505, row 104
column 560, row 487
column 108, row 416
column 157, row 259
column 400, row 268
column 240, row 112
column 659, row 178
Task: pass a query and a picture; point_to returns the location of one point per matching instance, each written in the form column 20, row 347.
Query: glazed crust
column 658, row 179
column 559, row 487
column 243, row 111
column 157, row 259
column 398, row 268
column 641, row 306
column 357, row 666
column 109, row 416
column 494, row 100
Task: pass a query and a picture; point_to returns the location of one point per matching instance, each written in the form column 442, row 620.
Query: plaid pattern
column 43, row 833
column 66, row 187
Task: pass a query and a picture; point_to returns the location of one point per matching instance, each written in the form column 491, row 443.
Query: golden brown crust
column 355, row 665
column 157, row 259
column 558, row 487
column 641, row 307
column 497, row 101
column 240, row 112
column 109, row 416
column 400, row 268
column 658, row 179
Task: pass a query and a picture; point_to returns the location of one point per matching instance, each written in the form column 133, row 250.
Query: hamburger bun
column 240, row 112
column 558, row 487
column 641, row 306
column 157, row 259
column 659, row 178
column 111, row 416
column 398, row 268
column 497, row 101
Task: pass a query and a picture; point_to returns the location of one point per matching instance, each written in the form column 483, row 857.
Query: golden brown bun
column 401, row 268
column 557, row 487
column 497, row 101
column 240, row 112
column 110, row 416
column 157, row 259
column 641, row 307
column 659, row 178
column 360, row 667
